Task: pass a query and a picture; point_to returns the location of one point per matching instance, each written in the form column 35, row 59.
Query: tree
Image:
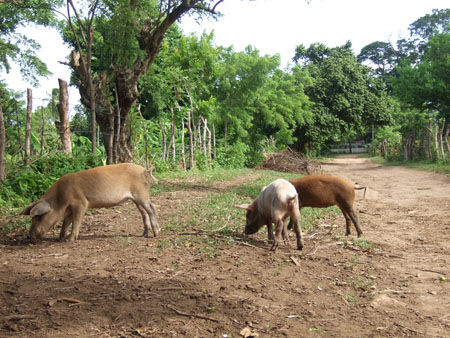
column 83, row 63
column 381, row 55
column 17, row 47
column 2, row 142
column 63, row 125
column 128, row 38
column 279, row 107
column 425, row 85
column 346, row 97
column 178, row 86
column 241, row 76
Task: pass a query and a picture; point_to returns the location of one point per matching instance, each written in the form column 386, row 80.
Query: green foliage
column 29, row 183
column 420, row 164
column 346, row 97
column 16, row 46
column 233, row 155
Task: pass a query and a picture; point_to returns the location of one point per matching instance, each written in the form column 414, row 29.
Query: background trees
column 176, row 101
column 127, row 37
column 347, row 98
column 419, row 79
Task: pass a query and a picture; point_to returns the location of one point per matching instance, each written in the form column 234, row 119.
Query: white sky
column 271, row 26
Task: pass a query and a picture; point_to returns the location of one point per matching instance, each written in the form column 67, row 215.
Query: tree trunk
column 172, row 130
column 447, row 132
column 441, row 141
column 63, row 125
column 42, row 132
column 116, row 129
column 214, row 141
column 428, row 152
column 19, row 133
column 209, row 144
column 164, row 142
column 205, row 128
column 2, row 143
column 436, row 141
column 28, row 126
column 191, row 127
column 183, row 156
column 191, row 142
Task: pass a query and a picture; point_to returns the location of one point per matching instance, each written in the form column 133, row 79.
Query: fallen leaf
column 246, row 332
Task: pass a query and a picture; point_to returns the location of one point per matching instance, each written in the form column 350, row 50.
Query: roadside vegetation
column 211, row 113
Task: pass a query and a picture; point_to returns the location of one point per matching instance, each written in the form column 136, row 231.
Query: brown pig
column 102, row 187
column 321, row 191
column 274, row 204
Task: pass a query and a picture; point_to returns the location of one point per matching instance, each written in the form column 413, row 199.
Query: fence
column 343, row 148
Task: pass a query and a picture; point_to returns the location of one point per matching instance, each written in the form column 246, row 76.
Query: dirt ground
column 393, row 282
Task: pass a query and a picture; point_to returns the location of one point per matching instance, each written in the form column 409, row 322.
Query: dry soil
column 392, row 282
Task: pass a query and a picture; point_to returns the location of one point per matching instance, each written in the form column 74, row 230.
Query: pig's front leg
column 78, row 212
column 65, row 228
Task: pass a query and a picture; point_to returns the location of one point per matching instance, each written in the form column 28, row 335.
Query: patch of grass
column 424, row 165
column 360, row 282
column 310, row 217
column 363, row 244
column 351, row 299
column 214, row 210
column 351, row 265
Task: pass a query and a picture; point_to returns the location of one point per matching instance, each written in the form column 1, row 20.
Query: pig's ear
column 27, row 210
column 249, row 207
column 41, row 208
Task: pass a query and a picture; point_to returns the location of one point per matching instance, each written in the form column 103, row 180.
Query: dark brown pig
column 70, row 196
column 322, row 191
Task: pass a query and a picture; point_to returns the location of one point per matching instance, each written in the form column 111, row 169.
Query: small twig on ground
column 316, row 246
column 191, row 314
column 406, row 328
column 399, row 291
column 247, row 244
column 73, row 301
column 16, row 317
column 433, row 271
column 170, row 288
column 444, row 317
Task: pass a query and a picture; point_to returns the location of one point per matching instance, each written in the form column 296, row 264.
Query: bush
column 232, row 155
column 29, row 183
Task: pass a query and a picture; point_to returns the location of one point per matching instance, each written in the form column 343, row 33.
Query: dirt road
column 393, row 282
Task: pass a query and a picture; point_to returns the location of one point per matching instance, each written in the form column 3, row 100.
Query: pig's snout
column 250, row 231
column 35, row 235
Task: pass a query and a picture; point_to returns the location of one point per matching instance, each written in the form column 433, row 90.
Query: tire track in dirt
column 409, row 212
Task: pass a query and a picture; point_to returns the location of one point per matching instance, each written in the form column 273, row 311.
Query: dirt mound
column 291, row 162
